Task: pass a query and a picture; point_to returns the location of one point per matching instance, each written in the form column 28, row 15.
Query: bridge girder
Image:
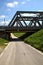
column 18, row 19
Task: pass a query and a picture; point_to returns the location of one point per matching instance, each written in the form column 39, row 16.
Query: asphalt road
column 19, row 53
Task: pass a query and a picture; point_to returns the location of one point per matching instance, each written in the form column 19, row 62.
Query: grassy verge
column 2, row 42
column 35, row 40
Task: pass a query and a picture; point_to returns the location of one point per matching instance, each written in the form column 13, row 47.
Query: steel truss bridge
column 24, row 21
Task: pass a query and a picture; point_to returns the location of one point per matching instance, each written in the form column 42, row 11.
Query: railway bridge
column 24, row 21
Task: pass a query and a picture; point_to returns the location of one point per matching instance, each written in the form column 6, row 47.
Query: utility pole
column 4, row 21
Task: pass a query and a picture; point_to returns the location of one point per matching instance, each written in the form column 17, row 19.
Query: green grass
column 2, row 42
column 35, row 40
column 19, row 34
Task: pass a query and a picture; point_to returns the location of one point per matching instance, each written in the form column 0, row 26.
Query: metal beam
column 30, row 24
column 39, row 23
column 41, row 12
column 19, row 22
column 12, row 19
column 29, row 18
column 23, row 20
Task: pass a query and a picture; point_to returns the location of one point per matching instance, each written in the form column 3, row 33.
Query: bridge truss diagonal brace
column 13, row 20
column 23, row 20
column 30, row 24
column 42, row 23
column 19, row 22
column 37, row 21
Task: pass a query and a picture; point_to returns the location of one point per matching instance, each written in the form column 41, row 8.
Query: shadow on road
column 15, row 39
column 21, row 38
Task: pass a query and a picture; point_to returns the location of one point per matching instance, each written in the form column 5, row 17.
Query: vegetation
column 35, row 40
column 2, row 42
column 19, row 34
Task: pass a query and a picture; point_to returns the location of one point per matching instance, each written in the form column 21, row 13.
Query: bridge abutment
column 5, row 35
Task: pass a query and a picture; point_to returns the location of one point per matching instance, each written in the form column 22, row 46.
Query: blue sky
column 9, row 7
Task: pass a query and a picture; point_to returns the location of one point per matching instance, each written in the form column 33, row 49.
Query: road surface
column 19, row 53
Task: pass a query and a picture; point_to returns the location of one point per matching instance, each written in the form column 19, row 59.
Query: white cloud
column 2, row 16
column 4, row 23
column 15, row 3
column 40, row 10
column 12, row 4
column 23, row 2
column 25, row 14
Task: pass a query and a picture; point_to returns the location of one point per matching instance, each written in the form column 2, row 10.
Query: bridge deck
column 19, row 29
